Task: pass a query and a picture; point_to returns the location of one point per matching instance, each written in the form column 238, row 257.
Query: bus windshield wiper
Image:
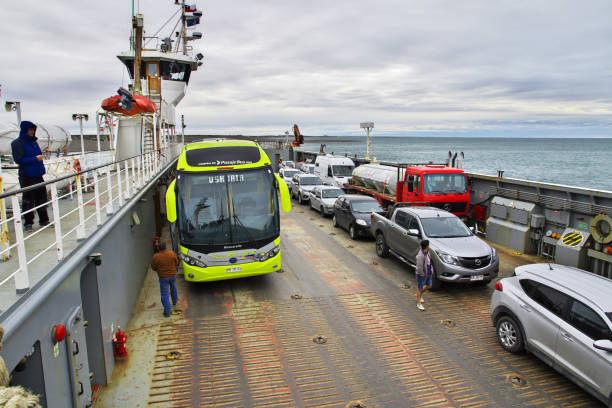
column 238, row 222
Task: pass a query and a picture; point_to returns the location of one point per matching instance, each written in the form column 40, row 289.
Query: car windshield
column 444, row 184
column 366, row 206
column 227, row 207
column 332, row 193
column 445, row 227
column 290, row 173
column 310, row 181
column 342, row 171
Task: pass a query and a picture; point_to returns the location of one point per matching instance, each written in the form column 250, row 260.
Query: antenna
column 550, row 266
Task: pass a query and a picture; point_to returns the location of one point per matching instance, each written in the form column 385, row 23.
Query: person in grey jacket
column 424, row 272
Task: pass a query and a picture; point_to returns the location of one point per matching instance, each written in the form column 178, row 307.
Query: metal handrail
column 44, row 183
column 114, row 182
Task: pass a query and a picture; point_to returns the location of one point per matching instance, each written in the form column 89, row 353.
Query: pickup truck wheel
column 435, row 282
column 509, row 334
column 335, row 222
column 353, row 232
column 382, row 249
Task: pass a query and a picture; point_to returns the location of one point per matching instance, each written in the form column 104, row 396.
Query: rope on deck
column 13, row 397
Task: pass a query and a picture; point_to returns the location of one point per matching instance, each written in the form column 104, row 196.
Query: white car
column 288, row 164
column 287, row 173
column 302, row 184
column 322, row 199
column 308, row 168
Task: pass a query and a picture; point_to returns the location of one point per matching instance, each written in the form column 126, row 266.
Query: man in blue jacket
column 28, row 156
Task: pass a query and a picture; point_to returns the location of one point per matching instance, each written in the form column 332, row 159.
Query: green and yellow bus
column 224, row 203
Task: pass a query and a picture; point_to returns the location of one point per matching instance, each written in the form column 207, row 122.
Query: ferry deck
column 338, row 327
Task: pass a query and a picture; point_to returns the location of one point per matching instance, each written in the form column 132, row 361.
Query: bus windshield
column 223, row 208
column 444, row 184
column 342, row 171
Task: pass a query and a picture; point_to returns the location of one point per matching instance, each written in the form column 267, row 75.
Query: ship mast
column 137, row 24
column 183, row 27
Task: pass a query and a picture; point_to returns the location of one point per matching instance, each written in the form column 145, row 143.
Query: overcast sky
column 519, row 68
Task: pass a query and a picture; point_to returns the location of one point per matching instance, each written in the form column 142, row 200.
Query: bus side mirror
column 171, row 202
column 284, row 194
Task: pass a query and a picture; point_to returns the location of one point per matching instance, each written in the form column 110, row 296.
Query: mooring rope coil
column 13, row 397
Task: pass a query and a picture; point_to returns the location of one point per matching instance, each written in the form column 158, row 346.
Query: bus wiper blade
column 238, row 222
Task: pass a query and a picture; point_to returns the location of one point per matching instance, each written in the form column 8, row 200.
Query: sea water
column 577, row 162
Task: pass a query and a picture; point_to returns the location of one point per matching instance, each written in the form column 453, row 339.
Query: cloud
column 410, row 66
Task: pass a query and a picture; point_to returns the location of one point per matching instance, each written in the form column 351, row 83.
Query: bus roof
column 222, row 154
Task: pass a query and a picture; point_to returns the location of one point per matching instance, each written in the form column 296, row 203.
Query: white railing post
column 127, row 180
column 134, row 186
column 97, row 197
column 139, row 171
column 80, row 232
column 57, row 222
column 22, row 280
column 146, row 173
column 119, row 192
column 109, row 205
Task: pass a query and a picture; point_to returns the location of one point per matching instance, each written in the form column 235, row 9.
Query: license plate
column 234, row 269
column 477, row 277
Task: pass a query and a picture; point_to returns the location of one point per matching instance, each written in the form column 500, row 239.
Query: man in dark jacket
column 164, row 263
column 28, row 156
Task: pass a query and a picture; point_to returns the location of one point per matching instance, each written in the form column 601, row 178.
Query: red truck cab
column 436, row 185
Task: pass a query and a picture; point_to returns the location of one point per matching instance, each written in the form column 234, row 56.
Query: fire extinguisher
column 119, row 340
column 156, row 244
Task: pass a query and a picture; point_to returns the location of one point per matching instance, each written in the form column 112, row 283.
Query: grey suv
column 562, row 315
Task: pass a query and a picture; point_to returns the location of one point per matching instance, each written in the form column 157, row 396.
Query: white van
column 334, row 170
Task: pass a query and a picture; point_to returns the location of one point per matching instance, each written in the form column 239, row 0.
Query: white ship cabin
column 162, row 74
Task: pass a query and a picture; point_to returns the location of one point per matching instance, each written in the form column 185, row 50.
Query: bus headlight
column 270, row 254
column 192, row 261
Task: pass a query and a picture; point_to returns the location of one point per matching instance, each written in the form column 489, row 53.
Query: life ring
column 601, row 228
column 76, row 165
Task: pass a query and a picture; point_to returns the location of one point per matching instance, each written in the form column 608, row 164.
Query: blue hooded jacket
column 25, row 149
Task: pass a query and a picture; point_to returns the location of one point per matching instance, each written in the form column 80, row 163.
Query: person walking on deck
column 424, row 272
column 165, row 263
column 28, row 156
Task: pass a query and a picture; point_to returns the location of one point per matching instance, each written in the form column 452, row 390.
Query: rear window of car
column 550, row 298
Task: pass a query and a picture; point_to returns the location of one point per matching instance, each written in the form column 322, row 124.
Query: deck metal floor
column 249, row 342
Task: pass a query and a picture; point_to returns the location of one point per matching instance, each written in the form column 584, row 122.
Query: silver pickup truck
column 457, row 254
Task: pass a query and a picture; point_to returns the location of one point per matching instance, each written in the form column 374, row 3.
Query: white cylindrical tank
column 377, row 177
column 50, row 137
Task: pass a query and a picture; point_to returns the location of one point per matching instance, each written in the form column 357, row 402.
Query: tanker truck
column 435, row 185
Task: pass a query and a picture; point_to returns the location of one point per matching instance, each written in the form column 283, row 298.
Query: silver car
column 301, row 184
column 322, row 199
column 563, row 315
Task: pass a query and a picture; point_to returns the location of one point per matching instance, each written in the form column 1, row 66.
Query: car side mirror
column 605, row 345
column 414, row 232
column 171, row 202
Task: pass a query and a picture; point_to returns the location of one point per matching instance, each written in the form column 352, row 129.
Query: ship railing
column 100, row 191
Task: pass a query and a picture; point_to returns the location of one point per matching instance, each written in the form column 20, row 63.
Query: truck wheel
column 382, row 249
column 335, row 222
column 353, row 232
column 435, row 282
column 509, row 334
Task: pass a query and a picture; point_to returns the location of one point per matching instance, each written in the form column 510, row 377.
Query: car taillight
column 498, row 286
column 371, row 216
